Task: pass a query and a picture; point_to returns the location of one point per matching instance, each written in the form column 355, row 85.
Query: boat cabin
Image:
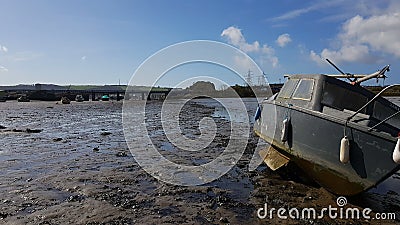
column 337, row 98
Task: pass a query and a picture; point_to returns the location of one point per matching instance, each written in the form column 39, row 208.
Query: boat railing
column 369, row 102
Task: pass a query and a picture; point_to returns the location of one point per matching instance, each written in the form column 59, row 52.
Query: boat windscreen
column 304, row 89
column 287, row 89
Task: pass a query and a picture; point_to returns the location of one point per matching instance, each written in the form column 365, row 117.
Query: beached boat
column 23, row 98
column 105, row 98
column 65, row 100
column 343, row 136
column 79, row 98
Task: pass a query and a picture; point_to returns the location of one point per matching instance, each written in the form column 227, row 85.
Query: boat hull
column 105, row 98
column 313, row 144
column 23, row 100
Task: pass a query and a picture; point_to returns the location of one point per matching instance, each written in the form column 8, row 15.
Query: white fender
column 344, row 150
column 396, row 152
column 285, row 129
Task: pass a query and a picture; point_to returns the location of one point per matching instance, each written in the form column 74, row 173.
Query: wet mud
column 79, row 170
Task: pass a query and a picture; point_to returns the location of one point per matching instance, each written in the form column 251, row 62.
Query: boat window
column 288, row 88
column 341, row 98
column 304, row 89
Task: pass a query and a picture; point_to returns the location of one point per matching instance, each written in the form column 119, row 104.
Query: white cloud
column 361, row 39
column 3, row 49
column 235, row 37
column 316, row 58
column 243, row 62
column 83, row 58
column 273, row 60
column 380, row 33
column 339, row 10
column 298, row 12
column 3, row 69
column 294, row 13
column 283, row 40
column 267, row 50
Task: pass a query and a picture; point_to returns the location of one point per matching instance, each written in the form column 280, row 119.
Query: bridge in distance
column 55, row 92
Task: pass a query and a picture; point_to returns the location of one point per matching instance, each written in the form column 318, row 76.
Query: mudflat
column 76, row 168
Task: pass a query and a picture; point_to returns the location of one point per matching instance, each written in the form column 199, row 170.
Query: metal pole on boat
column 379, row 74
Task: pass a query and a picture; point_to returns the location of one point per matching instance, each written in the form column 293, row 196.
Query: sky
column 104, row 42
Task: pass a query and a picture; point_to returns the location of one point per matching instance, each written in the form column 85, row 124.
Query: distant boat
column 23, row 98
column 3, row 96
column 65, row 100
column 105, row 98
column 343, row 136
column 79, row 98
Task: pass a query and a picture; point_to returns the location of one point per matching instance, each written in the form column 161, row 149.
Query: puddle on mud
column 167, row 146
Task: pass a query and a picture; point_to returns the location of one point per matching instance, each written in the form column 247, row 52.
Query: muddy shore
column 78, row 170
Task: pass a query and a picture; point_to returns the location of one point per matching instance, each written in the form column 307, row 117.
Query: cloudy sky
column 104, row 42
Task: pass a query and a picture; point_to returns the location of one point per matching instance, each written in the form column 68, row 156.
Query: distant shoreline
column 395, row 91
column 51, row 92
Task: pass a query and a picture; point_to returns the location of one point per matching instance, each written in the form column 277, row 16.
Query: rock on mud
column 105, row 133
column 28, row 130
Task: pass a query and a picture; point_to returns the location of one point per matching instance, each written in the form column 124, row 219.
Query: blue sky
column 103, row 42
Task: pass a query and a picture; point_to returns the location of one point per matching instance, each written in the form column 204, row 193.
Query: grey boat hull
column 313, row 144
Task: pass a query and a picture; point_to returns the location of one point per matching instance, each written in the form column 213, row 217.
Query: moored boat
column 343, row 136
column 79, row 98
column 23, row 98
column 105, row 98
column 3, row 96
column 65, row 100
